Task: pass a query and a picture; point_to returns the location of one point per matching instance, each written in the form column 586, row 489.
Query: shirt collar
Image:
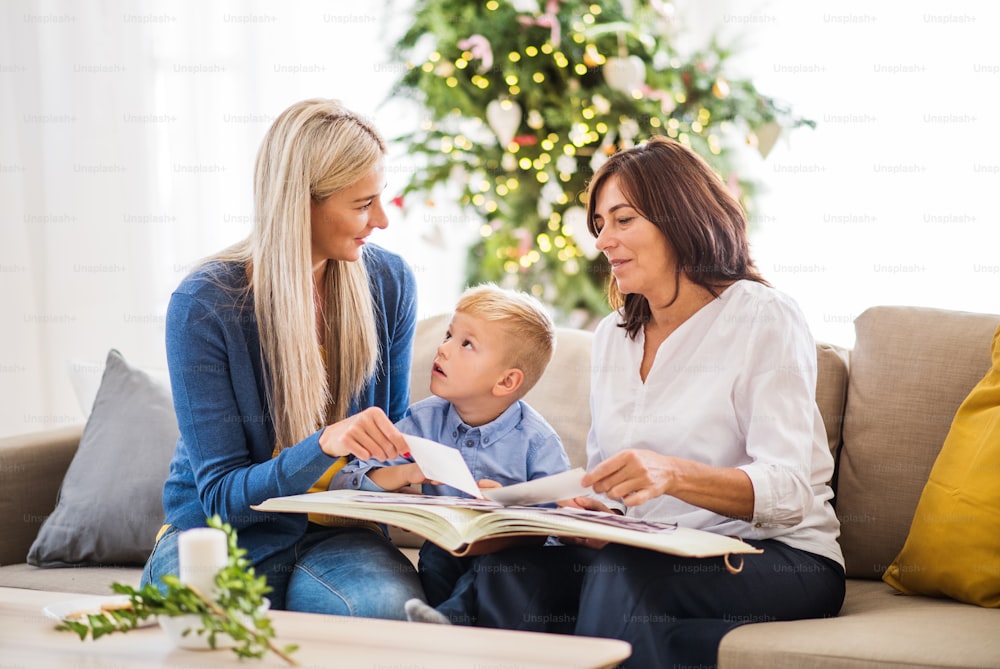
column 493, row 431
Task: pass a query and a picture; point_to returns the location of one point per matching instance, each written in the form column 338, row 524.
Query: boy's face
column 470, row 360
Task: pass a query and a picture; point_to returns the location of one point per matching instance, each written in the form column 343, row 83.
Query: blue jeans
column 336, row 570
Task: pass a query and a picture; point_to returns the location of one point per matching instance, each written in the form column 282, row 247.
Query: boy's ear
column 508, row 383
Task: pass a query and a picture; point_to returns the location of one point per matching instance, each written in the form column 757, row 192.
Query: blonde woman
column 290, row 352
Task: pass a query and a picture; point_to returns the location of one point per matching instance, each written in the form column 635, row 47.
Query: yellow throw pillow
column 953, row 548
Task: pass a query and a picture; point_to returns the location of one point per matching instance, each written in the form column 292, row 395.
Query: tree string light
column 533, row 95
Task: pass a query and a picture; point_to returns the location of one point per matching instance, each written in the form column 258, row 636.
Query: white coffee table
column 27, row 639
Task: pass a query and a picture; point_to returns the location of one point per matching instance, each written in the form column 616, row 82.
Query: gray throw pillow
column 110, row 503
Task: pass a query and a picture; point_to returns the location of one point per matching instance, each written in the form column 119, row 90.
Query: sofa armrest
column 32, row 467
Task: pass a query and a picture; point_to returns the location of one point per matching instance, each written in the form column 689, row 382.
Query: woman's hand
column 633, row 476
column 365, row 435
column 636, row 476
column 487, row 484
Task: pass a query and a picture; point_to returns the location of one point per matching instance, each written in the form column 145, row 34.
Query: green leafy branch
column 237, row 611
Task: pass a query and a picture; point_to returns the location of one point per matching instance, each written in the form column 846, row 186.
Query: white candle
column 201, row 553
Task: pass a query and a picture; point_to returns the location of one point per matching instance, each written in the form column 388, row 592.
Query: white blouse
column 733, row 386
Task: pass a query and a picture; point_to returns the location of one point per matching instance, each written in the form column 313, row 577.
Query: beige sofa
column 887, row 405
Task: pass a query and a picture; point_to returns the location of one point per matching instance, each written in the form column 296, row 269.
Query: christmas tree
column 525, row 101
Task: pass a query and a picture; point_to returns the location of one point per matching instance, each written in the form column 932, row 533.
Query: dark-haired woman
column 704, row 415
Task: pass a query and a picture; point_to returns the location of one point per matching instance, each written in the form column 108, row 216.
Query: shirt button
column 469, row 442
column 486, row 440
column 757, row 525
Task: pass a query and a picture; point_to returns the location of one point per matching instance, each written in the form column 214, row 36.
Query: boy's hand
column 588, row 503
column 397, row 476
column 591, row 505
column 486, row 484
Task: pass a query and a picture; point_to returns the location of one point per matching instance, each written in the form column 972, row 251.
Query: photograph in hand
column 445, row 465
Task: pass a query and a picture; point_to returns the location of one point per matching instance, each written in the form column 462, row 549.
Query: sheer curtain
column 128, row 135
column 74, row 174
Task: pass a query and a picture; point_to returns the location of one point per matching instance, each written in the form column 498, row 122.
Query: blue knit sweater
column 223, row 461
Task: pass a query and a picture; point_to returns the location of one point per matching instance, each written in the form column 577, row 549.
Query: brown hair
column 677, row 191
column 531, row 335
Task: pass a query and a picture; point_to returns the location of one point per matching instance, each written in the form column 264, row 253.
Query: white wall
column 891, row 199
column 128, row 128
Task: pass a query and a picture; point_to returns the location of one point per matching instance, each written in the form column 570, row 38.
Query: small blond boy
column 495, row 349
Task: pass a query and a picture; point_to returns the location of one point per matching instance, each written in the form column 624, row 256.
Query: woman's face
column 642, row 260
column 341, row 222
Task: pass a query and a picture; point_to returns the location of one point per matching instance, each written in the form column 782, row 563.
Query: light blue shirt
column 518, row 446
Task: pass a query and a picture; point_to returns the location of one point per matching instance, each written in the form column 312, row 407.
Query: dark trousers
column 448, row 583
column 674, row 611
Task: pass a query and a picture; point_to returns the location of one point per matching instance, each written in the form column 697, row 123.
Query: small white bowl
column 197, row 637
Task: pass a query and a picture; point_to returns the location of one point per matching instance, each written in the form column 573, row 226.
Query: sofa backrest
column 831, row 389
column 909, row 371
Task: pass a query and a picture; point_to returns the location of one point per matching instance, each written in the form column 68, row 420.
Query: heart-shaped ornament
column 767, row 137
column 625, row 74
column 504, row 117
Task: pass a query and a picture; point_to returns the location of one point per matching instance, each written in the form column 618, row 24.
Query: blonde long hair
column 312, row 150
